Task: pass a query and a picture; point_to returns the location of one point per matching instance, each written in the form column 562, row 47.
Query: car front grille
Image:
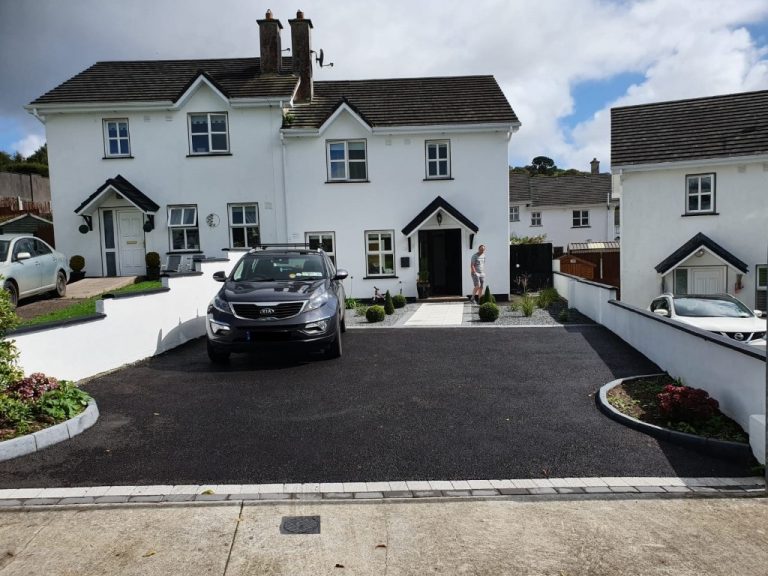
column 267, row 310
column 745, row 336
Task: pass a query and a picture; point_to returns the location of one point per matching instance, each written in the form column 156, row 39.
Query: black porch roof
column 438, row 203
column 699, row 241
column 126, row 189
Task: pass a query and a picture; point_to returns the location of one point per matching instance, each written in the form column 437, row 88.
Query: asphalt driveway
column 402, row 404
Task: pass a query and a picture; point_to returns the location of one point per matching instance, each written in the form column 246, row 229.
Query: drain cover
column 300, row 525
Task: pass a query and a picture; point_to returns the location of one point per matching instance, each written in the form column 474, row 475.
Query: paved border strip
column 416, row 490
column 51, row 435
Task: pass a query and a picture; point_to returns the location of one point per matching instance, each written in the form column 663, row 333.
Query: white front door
column 709, row 280
column 130, row 243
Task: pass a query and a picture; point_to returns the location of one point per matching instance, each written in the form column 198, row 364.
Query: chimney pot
column 268, row 15
column 299, row 15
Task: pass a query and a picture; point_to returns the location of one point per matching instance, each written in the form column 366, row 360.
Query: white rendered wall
column 151, row 323
column 396, row 193
column 653, row 226
column 161, row 168
column 557, row 224
column 701, row 359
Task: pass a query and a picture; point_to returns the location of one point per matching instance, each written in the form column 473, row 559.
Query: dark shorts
column 478, row 280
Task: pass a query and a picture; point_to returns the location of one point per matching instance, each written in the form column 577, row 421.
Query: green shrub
column 77, row 263
column 489, row 312
column 389, row 307
column 487, row 296
column 152, row 260
column 63, row 403
column 350, row 304
column 399, row 301
column 547, row 297
column 375, row 314
column 514, row 306
column 361, row 309
column 14, row 414
column 528, row 305
column 9, row 369
column 564, row 316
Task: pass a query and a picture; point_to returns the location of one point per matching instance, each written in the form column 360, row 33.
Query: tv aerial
column 320, row 58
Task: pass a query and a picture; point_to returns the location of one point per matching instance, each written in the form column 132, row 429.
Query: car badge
column 267, row 311
column 739, row 336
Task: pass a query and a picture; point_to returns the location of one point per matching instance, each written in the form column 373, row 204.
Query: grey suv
column 277, row 297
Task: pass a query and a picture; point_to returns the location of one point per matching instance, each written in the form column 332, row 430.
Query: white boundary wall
column 134, row 328
column 734, row 374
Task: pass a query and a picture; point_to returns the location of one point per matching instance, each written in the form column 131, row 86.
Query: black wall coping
column 180, row 274
column 123, row 295
column 56, row 324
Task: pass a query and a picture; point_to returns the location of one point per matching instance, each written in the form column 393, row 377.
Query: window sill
column 514, row 221
column 581, row 226
column 117, row 158
column 700, row 214
column 347, row 181
column 379, row 277
column 438, row 178
column 209, row 154
column 174, row 252
column 536, row 226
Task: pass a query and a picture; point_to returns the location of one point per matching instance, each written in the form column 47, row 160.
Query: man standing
column 477, row 268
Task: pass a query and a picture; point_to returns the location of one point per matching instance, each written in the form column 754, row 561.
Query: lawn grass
column 87, row 307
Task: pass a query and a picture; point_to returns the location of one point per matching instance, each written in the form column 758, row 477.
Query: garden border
column 49, row 436
column 721, row 448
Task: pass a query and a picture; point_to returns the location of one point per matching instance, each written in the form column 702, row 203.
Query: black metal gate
column 530, row 267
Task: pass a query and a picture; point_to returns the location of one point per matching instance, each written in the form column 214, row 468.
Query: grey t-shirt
column 478, row 261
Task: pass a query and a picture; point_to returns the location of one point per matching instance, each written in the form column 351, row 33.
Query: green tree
column 389, row 306
column 40, row 156
column 542, row 165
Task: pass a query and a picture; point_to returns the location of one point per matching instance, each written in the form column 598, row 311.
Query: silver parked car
column 30, row 266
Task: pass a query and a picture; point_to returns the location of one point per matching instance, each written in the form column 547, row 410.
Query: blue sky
column 561, row 71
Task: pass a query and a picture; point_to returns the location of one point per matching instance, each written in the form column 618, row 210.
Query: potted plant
column 76, row 265
column 422, row 284
column 153, row 265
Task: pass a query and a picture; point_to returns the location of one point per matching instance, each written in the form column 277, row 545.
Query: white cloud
column 28, row 145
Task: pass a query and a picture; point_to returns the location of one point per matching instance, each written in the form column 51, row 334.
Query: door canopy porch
column 699, row 245
column 124, row 188
column 435, row 208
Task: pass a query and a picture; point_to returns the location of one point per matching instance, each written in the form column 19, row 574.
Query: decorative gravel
column 507, row 317
column 400, row 316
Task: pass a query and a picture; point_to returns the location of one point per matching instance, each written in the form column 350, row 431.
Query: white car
column 30, row 266
column 719, row 313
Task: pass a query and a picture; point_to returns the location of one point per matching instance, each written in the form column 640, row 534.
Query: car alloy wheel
column 13, row 293
column 61, row 284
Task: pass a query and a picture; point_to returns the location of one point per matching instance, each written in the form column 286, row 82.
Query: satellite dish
column 321, row 58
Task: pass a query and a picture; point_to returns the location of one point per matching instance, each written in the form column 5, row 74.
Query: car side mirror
column 341, row 274
column 662, row 312
column 23, row 256
column 220, row 276
column 759, row 313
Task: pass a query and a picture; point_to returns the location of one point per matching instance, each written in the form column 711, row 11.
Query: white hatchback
column 30, row 266
column 719, row 313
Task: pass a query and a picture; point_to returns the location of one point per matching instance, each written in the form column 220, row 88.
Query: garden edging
column 721, row 448
column 52, row 435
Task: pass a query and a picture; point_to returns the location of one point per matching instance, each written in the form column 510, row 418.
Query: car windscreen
column 708, row 307
column 279, row 268
column 4, row 245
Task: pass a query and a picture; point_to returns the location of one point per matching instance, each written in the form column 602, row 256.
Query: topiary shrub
column 77, row 263
column 488, row 312
column 527, row 305
column 399, row 301
column 487, row 296
column 685, row 404
column 375, row 314
column 389, row 306
column 152, row 260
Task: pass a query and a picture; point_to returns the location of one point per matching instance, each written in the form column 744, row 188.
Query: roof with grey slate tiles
column 714, row 127
column 566, row 190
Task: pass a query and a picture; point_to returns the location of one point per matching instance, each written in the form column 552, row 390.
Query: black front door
column 440, row 250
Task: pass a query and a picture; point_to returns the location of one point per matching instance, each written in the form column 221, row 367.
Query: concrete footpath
column 565, row 537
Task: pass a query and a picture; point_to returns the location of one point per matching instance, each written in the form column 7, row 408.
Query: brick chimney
column 301, row 51
column 595, row 164
column 269, row 40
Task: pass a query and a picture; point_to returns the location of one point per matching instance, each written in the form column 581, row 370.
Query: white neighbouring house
column 694, row 190
column 189, row 158
column 568, row 208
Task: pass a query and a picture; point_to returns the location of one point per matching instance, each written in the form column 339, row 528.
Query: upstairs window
column 244, row 225
column 581, row 218
column 535, row 218
column 208, row 134
column 438, row 159
column 116, row 140
column 182, row 226
column 347, row 161
column 700, row 193
column 514, row 213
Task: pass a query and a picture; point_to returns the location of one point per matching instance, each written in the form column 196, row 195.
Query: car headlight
column 220, row 304
column 318, row 299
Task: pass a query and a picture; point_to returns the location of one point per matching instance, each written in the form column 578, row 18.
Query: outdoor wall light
column 439, row 218
column 700, row 253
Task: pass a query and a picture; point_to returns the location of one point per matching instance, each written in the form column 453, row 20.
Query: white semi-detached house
column 195, row 157
column 694, row 192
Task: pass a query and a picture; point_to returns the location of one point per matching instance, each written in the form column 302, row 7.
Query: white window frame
column 581, row 218
column 320, row 236
column 438, row 145
column 536, row 218
column 210, row 133
column 699, row 194
column 346, row 161
column 183, row 209
column 380, row 252
column 514, row 213
column 244, row 225
column 107, row 138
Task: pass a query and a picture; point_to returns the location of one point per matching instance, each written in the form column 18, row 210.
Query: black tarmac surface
column 402, row 404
